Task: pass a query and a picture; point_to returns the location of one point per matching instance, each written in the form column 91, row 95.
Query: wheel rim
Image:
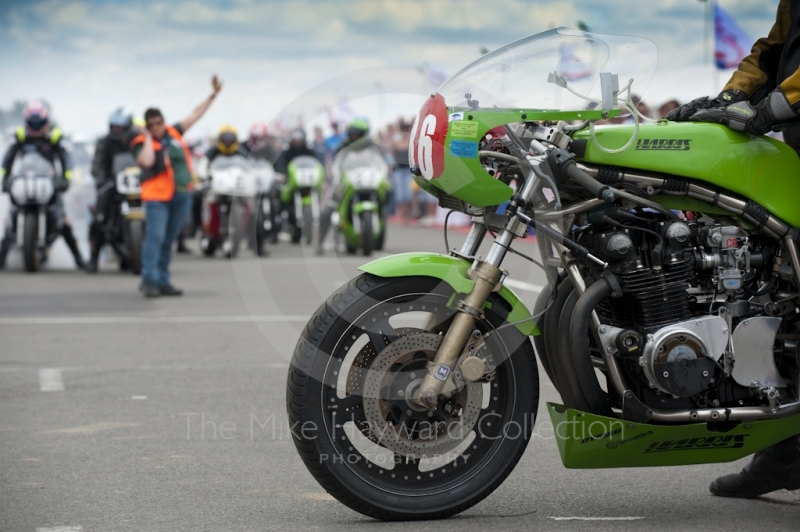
column 396, row 465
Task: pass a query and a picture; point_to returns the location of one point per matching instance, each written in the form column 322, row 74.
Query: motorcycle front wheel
column 367, row 238
column 135, row 239
column 235, row 228
column 30, row 236
column 308, row 224
column 354, row 370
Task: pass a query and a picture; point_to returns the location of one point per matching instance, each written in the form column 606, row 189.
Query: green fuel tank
column 762, row 169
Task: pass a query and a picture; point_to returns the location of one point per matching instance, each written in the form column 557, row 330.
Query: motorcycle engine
column 688, row 294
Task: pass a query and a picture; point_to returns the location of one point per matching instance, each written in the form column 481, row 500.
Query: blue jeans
column 165, row 220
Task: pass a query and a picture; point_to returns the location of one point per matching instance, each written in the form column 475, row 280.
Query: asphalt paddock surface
column 119, row 413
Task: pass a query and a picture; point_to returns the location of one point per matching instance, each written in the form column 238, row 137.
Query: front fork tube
column 487, row 275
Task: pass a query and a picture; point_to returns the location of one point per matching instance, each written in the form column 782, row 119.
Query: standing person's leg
column 157, row 215
column 179, row 208
column 774, row 468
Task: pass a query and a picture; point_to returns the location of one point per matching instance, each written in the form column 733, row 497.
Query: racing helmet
column 258, row 130
column 121, row 118
column 36, row 115
column 228, row 140
column 357, row 129
column 298, row 137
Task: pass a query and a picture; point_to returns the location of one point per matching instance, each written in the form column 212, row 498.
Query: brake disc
column 399, row 424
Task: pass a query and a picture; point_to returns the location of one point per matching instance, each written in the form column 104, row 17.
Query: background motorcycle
column 302, row 189
column 125, row 229
column 672, row 338
column 362, row 209
column 265, row 224
column 36, row 210
column 226, row 206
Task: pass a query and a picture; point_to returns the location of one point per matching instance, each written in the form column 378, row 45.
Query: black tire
column 308, row 224
column 538, row 341
column 361, row 311
column 208, row 246
column 367, row 238
column 135, row 239
column 550, row 333
column 381, row 240
column 30, row 253
column 235, row 228
column 261, row 233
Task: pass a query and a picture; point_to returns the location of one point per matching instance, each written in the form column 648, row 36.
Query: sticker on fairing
column 464, row 129
column 464, row 148
column 442, row 372
column 455, row 117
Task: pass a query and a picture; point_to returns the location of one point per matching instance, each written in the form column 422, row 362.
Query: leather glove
column 687, row 110
column 753, row 119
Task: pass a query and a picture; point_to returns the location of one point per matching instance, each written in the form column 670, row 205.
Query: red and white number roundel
column 426, row 147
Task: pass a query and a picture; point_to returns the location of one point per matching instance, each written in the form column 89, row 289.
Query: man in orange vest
column 166, row 163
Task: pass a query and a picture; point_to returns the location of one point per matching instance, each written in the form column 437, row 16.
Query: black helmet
column 298, row 137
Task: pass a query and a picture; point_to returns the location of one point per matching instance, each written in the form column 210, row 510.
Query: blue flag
column 731, row 43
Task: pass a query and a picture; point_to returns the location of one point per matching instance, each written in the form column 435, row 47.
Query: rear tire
column 326, row 383
column 31, row 235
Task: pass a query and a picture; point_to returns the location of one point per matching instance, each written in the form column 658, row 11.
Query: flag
column 731, row 43
column 436, row 77
column 571, row 67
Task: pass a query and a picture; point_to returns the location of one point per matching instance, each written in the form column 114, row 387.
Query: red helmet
column 36, row 115
column 258, row 130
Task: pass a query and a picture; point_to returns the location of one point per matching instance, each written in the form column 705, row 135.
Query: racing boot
column 97, row 240
column 774, row 468
column 5, row 246
column 69, row 238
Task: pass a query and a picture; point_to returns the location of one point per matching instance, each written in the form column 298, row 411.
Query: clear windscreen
column 367, row 158
column 516, row 75
column 32, row 164
column 223, row 162
column 305, row 161
column 122, row 161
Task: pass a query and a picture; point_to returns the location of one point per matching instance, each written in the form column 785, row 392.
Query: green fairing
column 465, row 177
column 589, row 441
column 760, row 168
column 451, row 270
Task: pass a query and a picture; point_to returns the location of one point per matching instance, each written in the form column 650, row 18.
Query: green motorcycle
column 669, row 327
column 303, row 188
column 361, row 174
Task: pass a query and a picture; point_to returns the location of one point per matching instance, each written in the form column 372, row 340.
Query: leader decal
column 663, row 144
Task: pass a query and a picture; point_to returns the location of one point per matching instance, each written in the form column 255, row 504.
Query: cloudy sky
column 87, row 57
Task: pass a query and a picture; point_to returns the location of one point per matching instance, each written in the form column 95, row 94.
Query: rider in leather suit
column 297, row 147
column 763, row 93
column 117, row 141
column 37, row 136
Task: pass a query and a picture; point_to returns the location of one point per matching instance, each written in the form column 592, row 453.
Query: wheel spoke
column 382, row 335
column 403, row 467
column 353, row 400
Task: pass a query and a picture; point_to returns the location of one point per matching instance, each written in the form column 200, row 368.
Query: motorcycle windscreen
column 32, row 164
column 365, row 169
column 520, row 74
